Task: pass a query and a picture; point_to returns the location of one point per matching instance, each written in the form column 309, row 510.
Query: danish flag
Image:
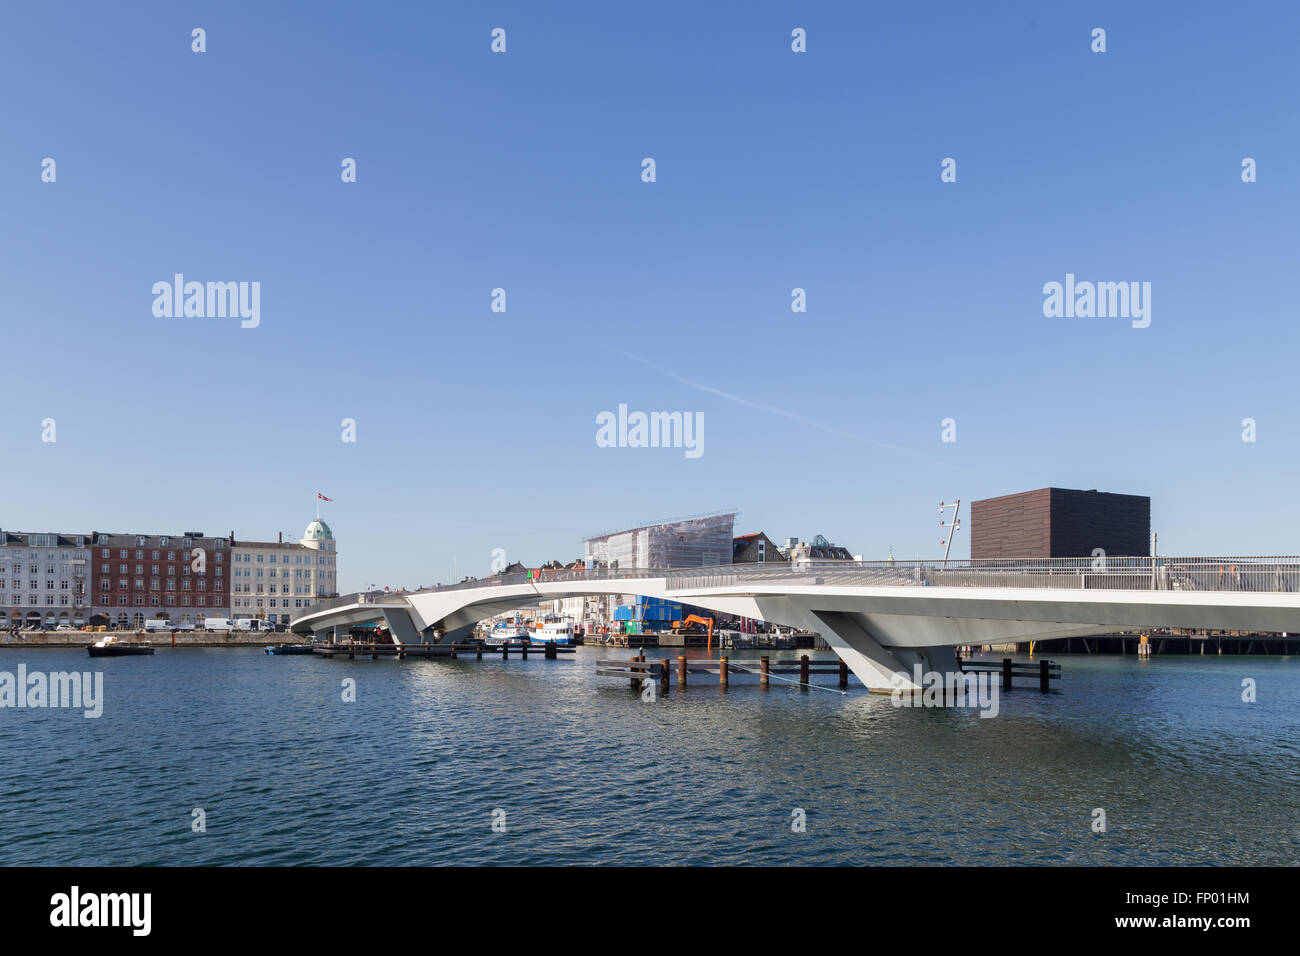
column 322, row 497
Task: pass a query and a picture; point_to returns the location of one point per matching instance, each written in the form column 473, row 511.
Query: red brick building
column 180, row 577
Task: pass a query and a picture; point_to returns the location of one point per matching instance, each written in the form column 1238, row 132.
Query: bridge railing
column 1235, row 573
column 1143, row 573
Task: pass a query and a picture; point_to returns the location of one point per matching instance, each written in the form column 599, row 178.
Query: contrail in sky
column 772, row 409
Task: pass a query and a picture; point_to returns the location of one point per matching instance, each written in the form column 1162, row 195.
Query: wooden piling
column 844, row 674
column 722, row 672
column 763, row 664
column 523, row 650
column 663, row 675
column 550, row 650
column 1043, row 678
column 479, row 649
column 681, row 670
column 803, row 671
column 505, row 652
column 1006, row 673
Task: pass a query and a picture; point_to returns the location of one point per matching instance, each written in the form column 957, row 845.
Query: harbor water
column 542, row 762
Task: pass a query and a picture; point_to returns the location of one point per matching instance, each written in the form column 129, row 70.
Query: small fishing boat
column 289, row 649
column 112, row 647
column 506, row 634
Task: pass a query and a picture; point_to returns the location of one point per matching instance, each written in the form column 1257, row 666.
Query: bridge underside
column 880, row 633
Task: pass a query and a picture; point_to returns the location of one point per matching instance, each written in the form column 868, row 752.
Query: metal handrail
column 1126, row 572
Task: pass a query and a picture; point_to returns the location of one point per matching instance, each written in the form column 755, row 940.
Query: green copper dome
column 318, row 531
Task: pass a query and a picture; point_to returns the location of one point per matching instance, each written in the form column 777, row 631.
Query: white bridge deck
column 884, row 617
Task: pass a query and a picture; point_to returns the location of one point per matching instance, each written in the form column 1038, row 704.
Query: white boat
column 506, row 634
column 554, row 632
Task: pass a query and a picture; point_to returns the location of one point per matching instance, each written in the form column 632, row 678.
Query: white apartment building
column 44, row 579
column 279, row 581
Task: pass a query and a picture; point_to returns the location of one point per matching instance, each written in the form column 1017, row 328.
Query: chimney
column 282, row 537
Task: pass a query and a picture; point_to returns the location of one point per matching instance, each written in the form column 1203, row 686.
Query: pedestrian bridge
column 883, row 617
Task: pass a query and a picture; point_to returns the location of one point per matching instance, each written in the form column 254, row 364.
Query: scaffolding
column 701, row 541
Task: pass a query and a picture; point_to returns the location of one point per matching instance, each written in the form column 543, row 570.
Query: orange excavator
column 706, row 622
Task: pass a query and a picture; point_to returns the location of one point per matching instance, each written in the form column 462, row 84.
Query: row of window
column 297, row 573
column 248, row 558
column 163, row 540
column 284, row 602
column 270, row 589
column 34, row 585
column 156, row 555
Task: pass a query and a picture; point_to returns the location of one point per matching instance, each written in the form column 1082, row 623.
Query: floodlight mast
column 952, row 529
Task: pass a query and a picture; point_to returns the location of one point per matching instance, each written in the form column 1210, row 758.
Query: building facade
column 280, row 581
column 182, row 578
column 1060, row 523
column 756, row 548
column 44, row 579
column 688, row 543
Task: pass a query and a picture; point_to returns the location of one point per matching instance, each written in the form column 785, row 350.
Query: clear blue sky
column 775, row 170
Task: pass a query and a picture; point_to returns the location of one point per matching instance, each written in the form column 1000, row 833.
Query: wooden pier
column 1046, row 671
column 638, row 670
column 547, row 649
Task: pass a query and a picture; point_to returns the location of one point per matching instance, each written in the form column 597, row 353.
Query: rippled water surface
column 287, row 773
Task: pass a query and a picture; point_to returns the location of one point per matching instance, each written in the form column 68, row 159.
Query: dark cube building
column 1060, row 523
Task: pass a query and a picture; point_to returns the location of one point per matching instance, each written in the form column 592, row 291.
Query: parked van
column 157, row 625
column 219, row 624
column 253, row 624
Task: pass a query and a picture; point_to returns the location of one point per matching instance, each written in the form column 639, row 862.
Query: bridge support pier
column 881, row 669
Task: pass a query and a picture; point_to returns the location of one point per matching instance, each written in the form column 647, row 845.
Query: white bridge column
column 879, row 668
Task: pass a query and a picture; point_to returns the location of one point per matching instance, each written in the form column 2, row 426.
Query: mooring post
column 844, row 674
column 663, row 675
column 763, row 664
column 1006, row 673
column 550, row 650
column 681, row 670
column 505, row 652
column 523, row 650
column 453, row 650
column 803, row 671
column 722, row 672
column 1043, row 678
column 479, row 649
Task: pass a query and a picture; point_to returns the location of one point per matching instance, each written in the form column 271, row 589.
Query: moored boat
column 112, row 647
column 289, row 649
column 554, row 632
column 507, row 634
